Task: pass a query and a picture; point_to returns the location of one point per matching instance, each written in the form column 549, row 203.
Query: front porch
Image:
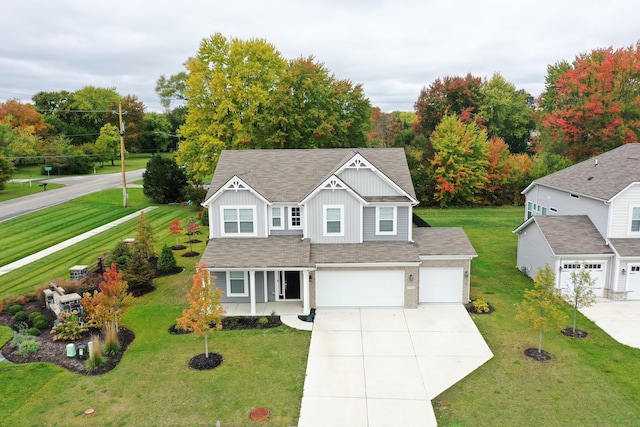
column 264, row 308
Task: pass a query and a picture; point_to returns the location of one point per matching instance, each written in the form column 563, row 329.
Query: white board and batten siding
column 441, row 284
column 621, row 212
column 367, row 183
column 351, row 212
column 241, row 198
column 359, row 288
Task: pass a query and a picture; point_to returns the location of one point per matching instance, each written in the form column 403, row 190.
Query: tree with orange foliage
column 110, row 302
column 593, row 104
column 23, row 116
column 498, row 172
column 176, row 228
column 205, row 311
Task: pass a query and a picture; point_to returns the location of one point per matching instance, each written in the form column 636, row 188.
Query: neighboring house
column 329, row 228
column 587, row 216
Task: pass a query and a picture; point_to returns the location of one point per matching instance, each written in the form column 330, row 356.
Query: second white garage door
column 441, row 284
column 356, row 288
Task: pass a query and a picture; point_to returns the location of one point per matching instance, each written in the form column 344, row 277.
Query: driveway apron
column 375, row 367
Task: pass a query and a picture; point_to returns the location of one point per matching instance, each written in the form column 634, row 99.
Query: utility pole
column 124, row 176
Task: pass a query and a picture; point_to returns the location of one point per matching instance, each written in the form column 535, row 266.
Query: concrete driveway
column 381, row 367
column 619, row 319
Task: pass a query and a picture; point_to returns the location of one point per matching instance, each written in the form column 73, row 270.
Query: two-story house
column 328, row 228
column 587, row 216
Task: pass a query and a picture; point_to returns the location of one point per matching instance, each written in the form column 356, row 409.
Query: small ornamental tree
column 581, row 293
column 193, row 227
column 205, row 311
column 176, row 228
column 145, row 237
column 542, row 305
column 110, row 302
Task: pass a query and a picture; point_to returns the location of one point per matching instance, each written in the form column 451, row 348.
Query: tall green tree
column 133, row 120
column 108, row 143
column 6, row 169
column 171, row 88
column 164, row 181
column 541, row 307
column 507, row 113
column 228, row 85
column 157, row 134
column 459, row 163
column 594, row 105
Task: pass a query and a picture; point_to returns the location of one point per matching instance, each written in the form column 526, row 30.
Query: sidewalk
column 63, row 245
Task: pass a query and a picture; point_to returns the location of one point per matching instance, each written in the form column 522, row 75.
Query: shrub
column 69, row 328
column 21, row 316
column 15, row 308
column 32, row 316
column 41, row 323
column 28, row 346
column 138, row 272
column 19, row 338
column 196, row 194
column 164, row 181
column 89, row 284
column 34, row 332
column 480, row 305
column 262, row 322
column 120, row 256
column 111, row 343
column 167, row 261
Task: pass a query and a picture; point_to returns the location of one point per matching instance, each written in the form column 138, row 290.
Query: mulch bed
column 178, row 247
column 201, row 362
column 471, row 309
column 236, row 323
column 577, row 334
column 56, row 351
column 190, row 254
column 540, row 356
column 162, row 273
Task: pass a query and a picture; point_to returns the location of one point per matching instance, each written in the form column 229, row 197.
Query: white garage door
column 441, row 284
column 596, row 270
column 349, row 288
column 633, row 282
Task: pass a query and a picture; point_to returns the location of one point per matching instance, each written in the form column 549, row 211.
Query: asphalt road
column 76, row 186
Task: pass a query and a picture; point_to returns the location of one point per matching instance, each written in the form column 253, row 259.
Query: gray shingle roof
column 362, row 253
column 271, row 252
column 626, row 247
column 290, row 175
column 443, row 241
column 615, row 170
column 571, row 234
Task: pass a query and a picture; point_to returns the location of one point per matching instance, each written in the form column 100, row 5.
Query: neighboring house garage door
column 360, row 288
column 596, row 271
column 441, row 284
column 633, row 282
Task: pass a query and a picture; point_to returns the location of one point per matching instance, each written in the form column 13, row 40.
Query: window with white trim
column 295, row 217
column 535, row 209
column 237, row 284
column 386, row 220
column 635, row 219
column 238, row 220
column 277, row 222
column 333, row 220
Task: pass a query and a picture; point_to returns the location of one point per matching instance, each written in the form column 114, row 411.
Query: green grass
column 13, row 190
column 44, row 228
column 132, row 162
column 590, row 382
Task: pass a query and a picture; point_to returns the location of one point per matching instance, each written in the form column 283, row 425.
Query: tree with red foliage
column 110, row 302
column 451, row 95
column 594, row 105
column 176, row 228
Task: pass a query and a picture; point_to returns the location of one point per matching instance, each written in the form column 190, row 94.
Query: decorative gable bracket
column 235, row 184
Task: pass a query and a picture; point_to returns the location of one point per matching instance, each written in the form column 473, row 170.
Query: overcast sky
column 393, row 48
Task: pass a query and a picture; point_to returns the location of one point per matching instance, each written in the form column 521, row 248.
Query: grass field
column 590, row 382
column 13, row 190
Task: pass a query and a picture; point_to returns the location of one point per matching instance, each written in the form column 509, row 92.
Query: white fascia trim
column 233, row 184
column 447, row 257
column 388, row 180
column 367, row 264
column 622, row 191
column 327, row 181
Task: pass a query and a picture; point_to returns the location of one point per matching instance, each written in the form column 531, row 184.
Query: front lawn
column 589, row 382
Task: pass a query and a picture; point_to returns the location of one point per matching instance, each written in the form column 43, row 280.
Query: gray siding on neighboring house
column 533, row 250
column 367, row 183
column 564, row 204
column 351, row 211
column 238, row 198
column 620, row 212
column 369, row 225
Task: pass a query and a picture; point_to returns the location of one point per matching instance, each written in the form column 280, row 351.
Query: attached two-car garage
column 359, row 288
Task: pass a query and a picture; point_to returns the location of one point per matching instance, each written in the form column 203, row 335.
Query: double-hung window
column 333, row 221
column 386, row 220
column 277, row 222
column 635, row 219
column 295, row 217
column 238, row 220
column 237, row 284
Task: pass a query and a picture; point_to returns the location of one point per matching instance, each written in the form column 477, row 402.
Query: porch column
column 306, row 307
column 252, row 291
column 265, row 276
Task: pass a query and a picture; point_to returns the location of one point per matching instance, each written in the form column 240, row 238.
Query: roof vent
column 590, row 178
column 595, row 162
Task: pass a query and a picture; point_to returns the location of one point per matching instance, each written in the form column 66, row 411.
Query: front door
column 291, row 285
